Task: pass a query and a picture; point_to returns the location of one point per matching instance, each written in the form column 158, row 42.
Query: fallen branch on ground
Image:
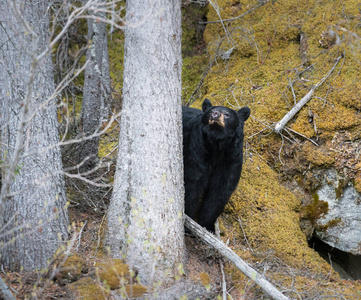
column 226, row 252
column 279, row 126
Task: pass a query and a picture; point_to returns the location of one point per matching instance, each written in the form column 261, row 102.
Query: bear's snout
column 215, row 114
column 217, row 117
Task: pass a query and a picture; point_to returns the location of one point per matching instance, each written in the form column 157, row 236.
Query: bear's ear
column 206, row 104
column 244, row 113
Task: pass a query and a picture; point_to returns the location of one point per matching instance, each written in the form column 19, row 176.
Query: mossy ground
column 258, row 63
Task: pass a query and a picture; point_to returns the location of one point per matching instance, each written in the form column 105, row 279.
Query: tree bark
column 34, row 218
column 96, row 94
column 145, row 218
column 5, row 292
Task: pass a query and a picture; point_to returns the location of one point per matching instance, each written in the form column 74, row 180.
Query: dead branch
column 279, row 126
column 303, row 46
column 226, row 252
column 238, row 17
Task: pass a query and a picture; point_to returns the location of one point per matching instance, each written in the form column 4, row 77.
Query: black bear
column 213, row 153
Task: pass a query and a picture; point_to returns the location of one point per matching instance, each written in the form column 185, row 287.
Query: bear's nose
column 215, row 114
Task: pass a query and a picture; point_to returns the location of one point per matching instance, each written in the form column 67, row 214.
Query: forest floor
column 203, row 265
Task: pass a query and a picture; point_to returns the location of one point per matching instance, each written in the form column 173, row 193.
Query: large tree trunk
column 96, row 95
column 34, row 221
column 145, row 219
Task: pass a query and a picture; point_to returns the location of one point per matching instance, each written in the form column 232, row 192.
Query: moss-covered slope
column 268, row 57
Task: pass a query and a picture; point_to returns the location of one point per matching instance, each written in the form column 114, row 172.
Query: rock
column 340, row 227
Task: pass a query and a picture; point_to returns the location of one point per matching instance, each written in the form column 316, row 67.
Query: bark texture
column 35, row 219
column 97, row 94
column 145, row 219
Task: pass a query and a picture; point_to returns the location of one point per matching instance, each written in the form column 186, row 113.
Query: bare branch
column 238, row 17
column 279, row 126
column 216, row 8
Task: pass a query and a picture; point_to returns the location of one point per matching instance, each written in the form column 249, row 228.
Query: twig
column 244, row 234
column 279, row 126
column 80, row 232
column 225, row 251
column 279, row 152
column 238, row 17
column 224, row 283
column 293, row 92
column 216, row 8
column 310, row 140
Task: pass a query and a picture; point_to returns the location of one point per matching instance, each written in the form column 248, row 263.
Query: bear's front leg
column 221, row 185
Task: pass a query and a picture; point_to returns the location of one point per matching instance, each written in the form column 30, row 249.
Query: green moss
column 88, row 288
column 316, row 209
column 192, row 71
column 265, row 59
column 328, row 225
column 318, row 156
column 357, row 184
column 113, row 272
column 341, row 185
column 116, row 59
column 109, row 141
column 134, row 290
column 268, row 214
column 205, row 279
column 73, row 267
column 192, row 30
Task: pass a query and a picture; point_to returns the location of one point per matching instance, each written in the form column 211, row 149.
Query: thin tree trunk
column 145, row 218
column 97, row 94
column 34, row 220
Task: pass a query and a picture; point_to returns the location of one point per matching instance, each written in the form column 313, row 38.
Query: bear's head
column 223, row 122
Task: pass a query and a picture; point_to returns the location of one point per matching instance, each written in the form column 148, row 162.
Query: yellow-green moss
column 316, row 209
column 109, row 141
column 192, row 14
column 358, row 183
column 204, row 278
column 88, row 288
column 268, row 214
column 261, row 80
column 133, row 290
column 328, row 225
column 265, row 59
column 73, row 267
column 192, row 70
column 318, row 156
column 339, row 189
column 113, row 272
column 116, row 59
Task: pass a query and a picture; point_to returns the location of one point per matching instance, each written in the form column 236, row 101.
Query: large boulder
column 340, row 227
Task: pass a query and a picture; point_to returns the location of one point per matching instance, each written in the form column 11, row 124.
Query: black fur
column 213, row 154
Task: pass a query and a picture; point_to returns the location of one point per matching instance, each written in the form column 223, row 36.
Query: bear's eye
column 226, row 115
